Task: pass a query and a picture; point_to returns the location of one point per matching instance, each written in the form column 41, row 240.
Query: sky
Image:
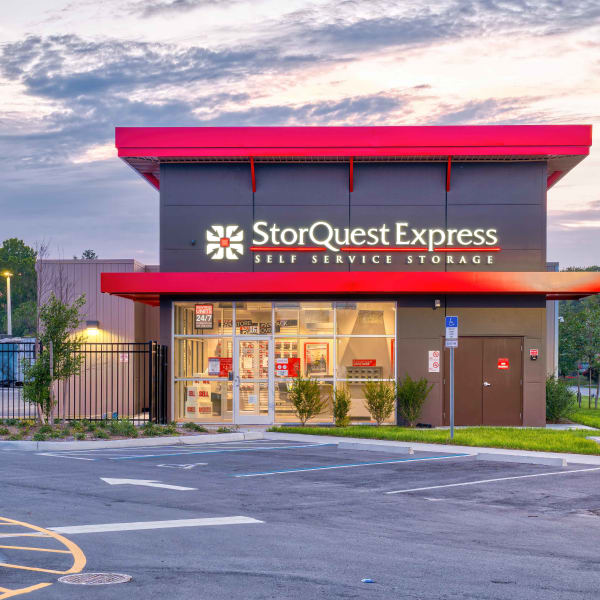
column 72, row 70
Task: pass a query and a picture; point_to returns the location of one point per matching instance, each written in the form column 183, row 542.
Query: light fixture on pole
column 8, row 275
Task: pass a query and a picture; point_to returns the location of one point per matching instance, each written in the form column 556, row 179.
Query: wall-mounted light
column 437, row 303
column 92, row 328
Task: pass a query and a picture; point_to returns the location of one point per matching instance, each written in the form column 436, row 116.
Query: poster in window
column 204, row 316
column 316, row 358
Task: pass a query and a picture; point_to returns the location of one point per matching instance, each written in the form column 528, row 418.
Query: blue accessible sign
column 451, row 332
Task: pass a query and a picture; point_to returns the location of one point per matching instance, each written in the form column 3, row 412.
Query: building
column 337, row 253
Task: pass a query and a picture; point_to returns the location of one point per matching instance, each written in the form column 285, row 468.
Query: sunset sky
column 70, row 71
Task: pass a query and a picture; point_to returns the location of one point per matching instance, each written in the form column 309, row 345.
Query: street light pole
column 8, row 275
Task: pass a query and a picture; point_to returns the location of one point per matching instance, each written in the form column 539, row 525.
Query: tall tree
column 19, row 259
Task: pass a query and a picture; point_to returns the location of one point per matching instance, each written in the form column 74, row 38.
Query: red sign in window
column 364, row 362
column 503, row 363
column 204, row 316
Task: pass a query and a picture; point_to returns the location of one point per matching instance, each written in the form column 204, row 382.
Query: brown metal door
column 501, row 386
column 467, row 382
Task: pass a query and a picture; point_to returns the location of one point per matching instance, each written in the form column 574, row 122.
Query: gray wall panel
column 399, row 184
column 498, row 183
column 301, row 184
column 520, row 227
column 199, row 184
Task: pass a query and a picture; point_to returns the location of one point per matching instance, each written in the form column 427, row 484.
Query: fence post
column 164, row 369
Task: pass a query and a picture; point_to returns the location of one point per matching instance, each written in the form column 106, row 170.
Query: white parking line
column 63, row 456
column 449, row 485
column 364, row 464
column 140, row 525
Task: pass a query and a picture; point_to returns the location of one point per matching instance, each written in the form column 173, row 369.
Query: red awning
column 562, row 146
column 148, row 287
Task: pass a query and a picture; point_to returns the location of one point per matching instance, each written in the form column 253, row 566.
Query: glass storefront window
column 358, row 410
column 308, row 357
column 365, row 358
column 304, row 318
column 210, row 358
column 284, row 410
column 366, row 318
column 253, row 318
column 331, row 342
column 187, row 323
column 204, row 401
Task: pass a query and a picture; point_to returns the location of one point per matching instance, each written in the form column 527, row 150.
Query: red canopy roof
column 148, row 287
column 562, row 146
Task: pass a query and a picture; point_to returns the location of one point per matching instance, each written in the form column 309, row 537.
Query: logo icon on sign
column 225, row 242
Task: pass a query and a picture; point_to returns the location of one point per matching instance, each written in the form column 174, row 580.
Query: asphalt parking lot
column 282, row 519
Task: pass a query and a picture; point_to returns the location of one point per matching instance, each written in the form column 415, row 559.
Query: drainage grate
column 95, row 578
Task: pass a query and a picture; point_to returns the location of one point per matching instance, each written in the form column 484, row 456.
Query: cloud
column 416, row 24
column 67, row 67
column 152, row 8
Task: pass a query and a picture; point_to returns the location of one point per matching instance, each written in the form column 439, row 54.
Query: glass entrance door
column 254, row 381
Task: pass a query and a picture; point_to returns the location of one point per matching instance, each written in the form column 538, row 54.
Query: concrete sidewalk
column 584, row 459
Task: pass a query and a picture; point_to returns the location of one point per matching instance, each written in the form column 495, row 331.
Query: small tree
column 305, row 396
column 560, row 401
column 411, row 394
column 89, row 254
column 341, row 405
column 380, row 399
column 59, row 358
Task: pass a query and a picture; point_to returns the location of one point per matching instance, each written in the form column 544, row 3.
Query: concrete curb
column 375, row 447
column 584, row 459
column 133, row 442
column 515, row 458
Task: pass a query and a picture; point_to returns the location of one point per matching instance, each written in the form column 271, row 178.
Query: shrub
column 123, row 428
column 26, row 423
column 305, row 397
column 151, row 430
column 380, row 400
column 80, row 435
column 15, row 437
column 11, row 422
column 224, row 430
column 341, row 406
column 4, row 431
column 411, row 394
column 101, row 434
column 56, row 434
column 45, row 429
column 560, row 402
column 170, row 429
column 195, row 427
column 39, row 437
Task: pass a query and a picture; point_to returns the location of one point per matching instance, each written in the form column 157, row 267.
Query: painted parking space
column 328, row 514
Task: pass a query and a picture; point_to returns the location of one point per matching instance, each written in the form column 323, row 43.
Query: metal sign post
column 451, row 343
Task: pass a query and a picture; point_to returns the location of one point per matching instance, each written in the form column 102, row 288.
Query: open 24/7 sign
column 203, row 318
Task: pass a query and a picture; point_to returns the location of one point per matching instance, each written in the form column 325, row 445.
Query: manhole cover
column 95, row 578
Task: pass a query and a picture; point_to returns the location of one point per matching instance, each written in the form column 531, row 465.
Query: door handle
column 486, row 384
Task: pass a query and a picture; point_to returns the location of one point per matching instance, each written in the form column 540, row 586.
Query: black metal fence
column 117, row 380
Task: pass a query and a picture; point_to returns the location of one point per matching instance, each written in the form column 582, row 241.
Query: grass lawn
column 587, row 416
column 545, row 440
